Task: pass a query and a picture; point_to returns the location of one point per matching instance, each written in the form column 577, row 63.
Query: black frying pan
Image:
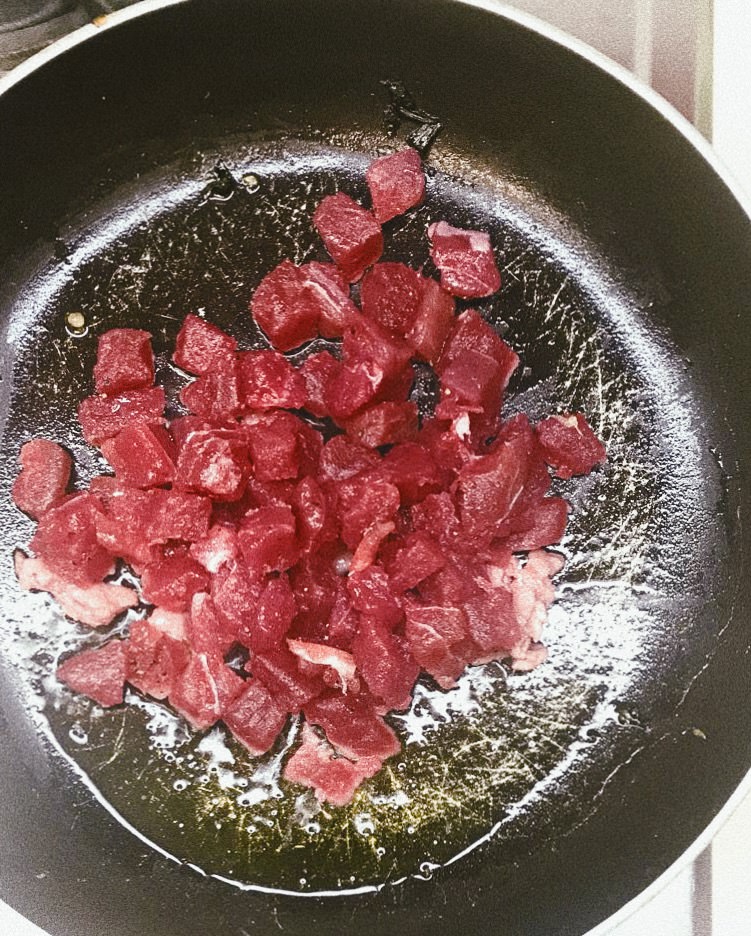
column 627, row 280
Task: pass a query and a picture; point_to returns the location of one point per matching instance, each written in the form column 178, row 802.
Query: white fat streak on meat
column 571, row 422
column 367, row 548
column 215, row 550
column 220, row 471
column 460, row 426
column 93, row 605
column 172, row 623
column 339, row 660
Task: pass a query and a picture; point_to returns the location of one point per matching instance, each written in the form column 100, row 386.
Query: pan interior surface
column 535, row 803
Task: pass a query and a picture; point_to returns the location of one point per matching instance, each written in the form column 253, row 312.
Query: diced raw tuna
column 328, row 292
column 377, row 363
column 334, row 778
column 492, row 620
column 272, row 617
column 341, row 458
column 465, row 261
column 157, row 653
column 255, row 718
column 274, row 450
column 353, row 726
column 102, row 417
column 235, row 597
column 432, row 322
column 384, row 424
column 351, row 234
column 384, row 661
column 283, row 309
column 124, row 361
column 396, row 183
column 569, row 445
column 436, row 637
column 316, row 521
column 367, row 548
column 205, row 630
column 122, row 522
column 373, row 594
column 542, row 525
column 44, row 476
column 215, row 396
column 268, row 540
column 203, row 689
column 179, row 515
column 317, row 371
column 471, row 333
column 66, row 541
column 279, row 670
column 316, row 584
column 364, row 500
column 436, row 515
column 140, row 455
column 201, row 347
column 98, row 673
column 268, row 381
column 416, row 558
column 183, row 426
column 215, row 464
column 217, row 549
column 471, row 382
column 339, row 661
column 93, row 605
column 172, row 581
column 390, row 293
column 412, row 469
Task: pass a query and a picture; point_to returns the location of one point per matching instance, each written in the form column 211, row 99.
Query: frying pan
column 161, row 163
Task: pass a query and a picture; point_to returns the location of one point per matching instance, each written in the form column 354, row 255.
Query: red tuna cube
column 268, row 540
column 364, row 500
column 180, row 516
column 492, row 620
column 316, row 764
column 206, row 631
column 471, row 382
column 279, row 670
column 269, row 381
column 157, row 654
column 471, row 333
column 217, row 549
column 316, row 584
column 384, row 424
column 390, row 293
column 122, row 527
column 172, row 581
column 436, row 636
column 44, row 476
column 283, row 309
column 140, row 455
column 93, row 605
column 273, row 443
column 351, row 234
column 337, row 663
column 436, row 515
column 569, row 445
column 412, row 469
column 415, row 559
column 235, row 598
column 98, row 674
column 67, row 543
column 542, row 526
column 384, row 356
column 255, row 718
column 342, row 622
column 201, row 347
column 373, row 594
column 183, row 426
column 353, row 726
column 213, row 463
column 204, row 689
column 384, row 661
column 328, row 292
column 396, row 183
column 102, row 417
column 317, row 371
column 124, row 361
column 342, row 458
column 465, row 261
column 215, row 396
column 272, row 618
column 432, row 322
column 316, row 520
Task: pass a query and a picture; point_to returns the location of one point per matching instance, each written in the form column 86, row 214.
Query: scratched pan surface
column 532, row 804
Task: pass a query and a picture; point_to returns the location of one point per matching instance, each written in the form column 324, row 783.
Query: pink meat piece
column 436, row 516
column 124, row 361
column 339, row 661
column 44, row 476
column 367, row 549
column 334, row 778
column 543, row 524
column 255, row 718
column 93, row 605
column 350, row 233
column 396, row 183
column 317, row 371
column 373, row 594
column 214, row 463
column 215, row 396
column 411, row 468
column 432, row 322
column 204, row 689
column 328, row 293
column 470, row 332
column 273, row 440
column 465, row 261
column 268, row 540
column 157, row 652
column 268, row 381
column 472, row 382
column 280, row 671
column 205, row 630
column 102, row 417
column 353, row 726
column 235, row 596
column 172, row 581
column 183, row 426
column 273, row 616
column 532, row 589
column 140, row 455
column 364, row 500
column 282, row 307
column 201, row 347
column 385, row 662
column 178, row 515
column 436, row 637
column 383, row 424
column 417, row 557
column 122, row 522
column 390, row 294
column 569, row 445
column 217, row 549
column 66, row 541
column 316, row 520
column 98, row 673
column 343, row 458
column 316, row 585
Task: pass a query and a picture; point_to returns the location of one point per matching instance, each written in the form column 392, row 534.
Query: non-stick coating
column 607, row 218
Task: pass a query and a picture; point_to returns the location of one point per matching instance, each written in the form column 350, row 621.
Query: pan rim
column 636, row 86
